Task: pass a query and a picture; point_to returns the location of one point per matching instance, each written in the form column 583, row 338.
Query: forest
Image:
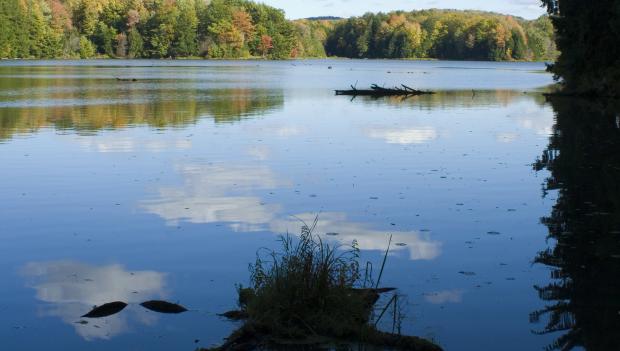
column 443, row 34
column 143, row 29
column 245, row 29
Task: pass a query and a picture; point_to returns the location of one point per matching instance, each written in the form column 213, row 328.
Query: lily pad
column 105, row 310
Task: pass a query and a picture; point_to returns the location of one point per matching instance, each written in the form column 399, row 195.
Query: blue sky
column 345, row 8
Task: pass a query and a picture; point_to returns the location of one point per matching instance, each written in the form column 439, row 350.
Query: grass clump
column 307, row 289
column 310, row 294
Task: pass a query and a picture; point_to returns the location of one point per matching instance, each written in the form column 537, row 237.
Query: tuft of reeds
column 311, row 292
column 307, row 289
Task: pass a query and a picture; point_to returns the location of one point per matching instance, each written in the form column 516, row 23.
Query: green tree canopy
column 243, row 28
column 443, row 34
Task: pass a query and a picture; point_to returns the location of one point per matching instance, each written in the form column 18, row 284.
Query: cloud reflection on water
column 445, row 296
column 120, row 144
column 215, row 193
column 73, row 288
column 418, row 246
column 419, row 135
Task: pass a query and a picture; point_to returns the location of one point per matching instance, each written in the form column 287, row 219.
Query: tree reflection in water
column 583, row 158
column 159, row 108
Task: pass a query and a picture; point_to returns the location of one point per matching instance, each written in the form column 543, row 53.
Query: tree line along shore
column 245, row 29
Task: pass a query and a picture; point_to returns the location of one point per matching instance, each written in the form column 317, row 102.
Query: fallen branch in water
column 378, row 91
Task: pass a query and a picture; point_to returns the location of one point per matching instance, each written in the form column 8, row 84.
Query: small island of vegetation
column 312, row 293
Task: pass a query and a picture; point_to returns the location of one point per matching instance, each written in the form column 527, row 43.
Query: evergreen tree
column 587, row 35
column 105, row 38
column 86, row 49
column 185, row 41
column 135, row 43
column 160, row 28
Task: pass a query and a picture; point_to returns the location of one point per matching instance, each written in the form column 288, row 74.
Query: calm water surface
column 165, row 187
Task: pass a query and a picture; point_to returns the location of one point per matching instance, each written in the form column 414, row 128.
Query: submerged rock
column 105, row 310
column 163, row 306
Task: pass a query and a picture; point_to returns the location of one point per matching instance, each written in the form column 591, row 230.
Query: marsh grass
column 308, row 288
column 312, row 293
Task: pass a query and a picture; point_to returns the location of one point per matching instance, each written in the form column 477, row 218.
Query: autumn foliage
column 242, row 28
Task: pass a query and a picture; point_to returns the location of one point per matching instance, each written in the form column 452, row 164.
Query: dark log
column 378, row 91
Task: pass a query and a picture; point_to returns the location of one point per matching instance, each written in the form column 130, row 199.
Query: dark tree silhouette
column 583, row 157
column 588, row 37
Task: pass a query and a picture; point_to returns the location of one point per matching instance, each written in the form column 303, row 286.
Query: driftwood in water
column 376, row 90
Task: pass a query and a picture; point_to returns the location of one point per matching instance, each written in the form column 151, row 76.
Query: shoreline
column 258, row 59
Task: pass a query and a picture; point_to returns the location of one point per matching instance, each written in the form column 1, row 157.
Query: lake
column 138, row 180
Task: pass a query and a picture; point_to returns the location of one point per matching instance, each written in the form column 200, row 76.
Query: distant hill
column 324, row 18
